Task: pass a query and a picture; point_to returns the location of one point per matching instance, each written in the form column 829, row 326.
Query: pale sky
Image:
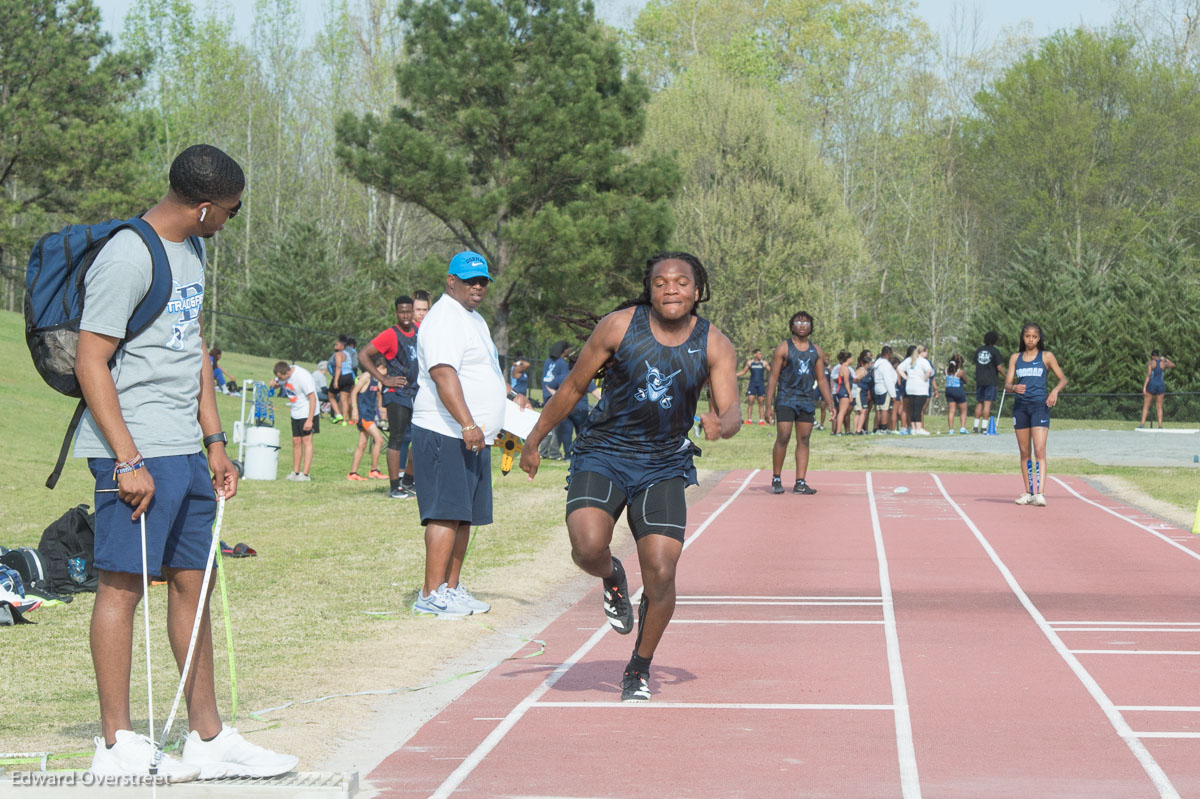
column 1046, row 16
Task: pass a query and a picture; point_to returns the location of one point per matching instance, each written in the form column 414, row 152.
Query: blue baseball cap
column 467, row 265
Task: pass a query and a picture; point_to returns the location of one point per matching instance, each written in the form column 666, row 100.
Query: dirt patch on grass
column 1127, row 492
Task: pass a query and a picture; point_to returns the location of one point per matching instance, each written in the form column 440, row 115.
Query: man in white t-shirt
column 457, row 413
column 297, row 385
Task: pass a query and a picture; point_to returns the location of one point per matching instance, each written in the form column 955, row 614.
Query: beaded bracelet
column 131, row 465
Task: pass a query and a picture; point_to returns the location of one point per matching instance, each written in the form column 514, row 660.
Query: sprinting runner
column 798, row 370
column 1154, row 386
column 656, row 354
column 756, row 391
column 1026, row 379
column 956, row 394
column 364, row 409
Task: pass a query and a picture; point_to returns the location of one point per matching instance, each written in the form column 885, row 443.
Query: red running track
column 940, row 642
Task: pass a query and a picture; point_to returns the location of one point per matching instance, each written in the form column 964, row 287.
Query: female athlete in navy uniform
column 756, row 391
column 1026, row 379
column 656, row 354
column 798, row 369
column 1154, row 386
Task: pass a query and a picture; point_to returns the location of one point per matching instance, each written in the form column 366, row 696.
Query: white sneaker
column 463, row 597
column 1026, row 499
column 291, row 476
column 439, row 605
column 921, row 432
column 1039, row 500
column 302, row 478
column 132, row 755
column 231, row 755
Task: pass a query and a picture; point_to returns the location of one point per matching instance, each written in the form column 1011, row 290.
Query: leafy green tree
column 68, row 144
column 514, row 131
column 757, row 205
column 1088, row 143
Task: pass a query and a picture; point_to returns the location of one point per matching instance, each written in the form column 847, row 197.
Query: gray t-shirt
column 157, row 374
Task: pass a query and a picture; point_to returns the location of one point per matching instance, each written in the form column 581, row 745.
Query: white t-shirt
column 917, row 382
column 296, row 387
column 157, row 374
column 460, row 339
column 885, row 377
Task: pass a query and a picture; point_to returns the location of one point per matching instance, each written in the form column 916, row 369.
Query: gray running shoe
column 802, row 487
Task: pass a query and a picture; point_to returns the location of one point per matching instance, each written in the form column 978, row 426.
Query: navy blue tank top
column 1156, row 374
column 1032, row 374
column 368, row 401
column 798, row 377
column 650, row 392
column 403, row 364
column 867, row 381
column 758, row 371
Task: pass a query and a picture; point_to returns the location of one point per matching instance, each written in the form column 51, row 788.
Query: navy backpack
column 54, row 299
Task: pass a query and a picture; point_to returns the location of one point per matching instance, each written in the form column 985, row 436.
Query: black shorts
column 660, row 509
column 399, row 418
column 298, row 430
column 343, row 383
column 787, row 413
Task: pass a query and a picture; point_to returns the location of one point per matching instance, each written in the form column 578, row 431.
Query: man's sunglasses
column 477, row 282
column 231, row 212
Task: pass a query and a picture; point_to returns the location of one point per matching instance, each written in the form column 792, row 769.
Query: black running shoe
column 802, row 487
column 635, row 686
column 776, row 485
column 616, row 601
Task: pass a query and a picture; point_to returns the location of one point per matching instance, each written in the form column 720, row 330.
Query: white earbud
column 203, row 213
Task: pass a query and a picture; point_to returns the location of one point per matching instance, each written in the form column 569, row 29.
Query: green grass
column 328, row 550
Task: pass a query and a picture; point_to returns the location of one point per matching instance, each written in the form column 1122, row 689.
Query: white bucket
column 262, row 453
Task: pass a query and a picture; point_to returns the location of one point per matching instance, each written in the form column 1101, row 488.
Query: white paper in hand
column 519, row 422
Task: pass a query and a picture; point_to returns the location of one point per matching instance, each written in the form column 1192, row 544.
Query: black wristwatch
column 214, row 439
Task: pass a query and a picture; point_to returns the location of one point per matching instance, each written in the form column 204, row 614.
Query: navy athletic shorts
column 956, row 395
column 756, row 390
column 1031, row 414
column 985, row 393
column 179, row 519
column 453, row 484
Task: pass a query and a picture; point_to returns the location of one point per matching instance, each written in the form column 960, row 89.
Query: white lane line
column 783, row 598
column 778, row 604
column 910, row 783
column 1167, row 734
column 713, row 706
column 1135, row 652
column 1127, row 629
column 1162, row 708
column 775, row 621
column 1130, row 621
column 1147, row 761
column 1134, row 522
column 502, row 729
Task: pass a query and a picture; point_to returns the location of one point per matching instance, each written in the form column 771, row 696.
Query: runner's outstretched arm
column 727, row 419
column 600, row 346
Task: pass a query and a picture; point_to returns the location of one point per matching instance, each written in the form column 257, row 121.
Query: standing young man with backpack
column 149, row 416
